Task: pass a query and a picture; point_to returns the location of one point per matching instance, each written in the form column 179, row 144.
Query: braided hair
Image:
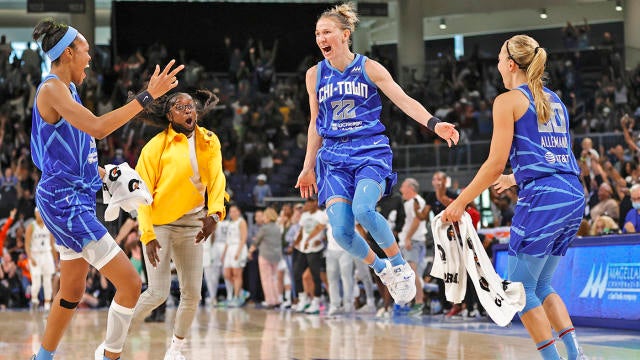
column 155, row 114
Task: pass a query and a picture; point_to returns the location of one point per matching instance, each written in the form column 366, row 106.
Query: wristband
column 144, row 98
column 431, row 123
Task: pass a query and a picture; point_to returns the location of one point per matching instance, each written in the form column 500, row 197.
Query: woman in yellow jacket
column 181, row 166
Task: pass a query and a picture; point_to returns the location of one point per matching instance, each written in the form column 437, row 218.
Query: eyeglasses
column 183, row 107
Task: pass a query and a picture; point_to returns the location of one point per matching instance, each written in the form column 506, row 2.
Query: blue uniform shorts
column 342, row 162
column 70, row 214
column 547, row 216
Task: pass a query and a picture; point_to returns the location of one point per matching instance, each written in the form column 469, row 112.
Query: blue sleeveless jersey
column 550, row 197
column 540, row 150
column 64, row 154
column 348, row 101
column 65, row 194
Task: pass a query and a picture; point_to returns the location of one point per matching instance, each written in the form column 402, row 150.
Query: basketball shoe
column 400, row 280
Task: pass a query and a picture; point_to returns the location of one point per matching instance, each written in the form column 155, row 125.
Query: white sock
column 229, row 288
column 118, row 321
column 287, row 295
column 176, row 343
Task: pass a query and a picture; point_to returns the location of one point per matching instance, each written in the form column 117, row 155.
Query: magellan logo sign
column 620, row 282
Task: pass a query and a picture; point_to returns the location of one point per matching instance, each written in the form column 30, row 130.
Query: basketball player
column 181, row 166
column 531, row 129
column 64, row 149
column 39, row 245
column 347, row 148
column 212, row 259
column 235, row 255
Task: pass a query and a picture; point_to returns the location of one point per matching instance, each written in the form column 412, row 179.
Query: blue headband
column 55, row 52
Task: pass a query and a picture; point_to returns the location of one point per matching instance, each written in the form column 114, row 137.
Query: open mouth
column 189, row 122
column 326, row 50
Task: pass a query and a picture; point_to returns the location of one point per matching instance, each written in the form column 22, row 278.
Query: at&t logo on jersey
column 553, row 158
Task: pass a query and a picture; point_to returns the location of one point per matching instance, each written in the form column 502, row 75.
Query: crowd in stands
column 261, row 121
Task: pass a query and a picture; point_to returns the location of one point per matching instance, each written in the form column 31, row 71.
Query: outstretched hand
column 307, row 183
column 448, row 132
column 163, row 81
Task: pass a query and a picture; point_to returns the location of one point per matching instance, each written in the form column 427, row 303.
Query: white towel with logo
column 123, row 189
column 448, row 264
column 501, row 299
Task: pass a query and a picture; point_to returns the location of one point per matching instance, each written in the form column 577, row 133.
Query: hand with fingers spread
column 208, row 227
column 307, row 183
column 504, row 182
column 448, row 132
column 153, row 247
column 163, row 81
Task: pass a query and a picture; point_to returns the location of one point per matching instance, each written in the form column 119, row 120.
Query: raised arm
column 55, row 101
column 383, row 80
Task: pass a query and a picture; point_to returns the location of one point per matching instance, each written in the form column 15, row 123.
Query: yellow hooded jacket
column 165, row 167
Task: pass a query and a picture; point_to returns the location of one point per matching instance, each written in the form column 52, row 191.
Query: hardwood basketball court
column 249, row 333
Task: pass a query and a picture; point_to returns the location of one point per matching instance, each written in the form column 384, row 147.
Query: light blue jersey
column 540, row 150
column 550, row 198
column 65, row 195
column 354, row 146
column 348, row 101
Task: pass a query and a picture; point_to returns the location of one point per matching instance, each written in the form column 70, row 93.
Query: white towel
column 447, row 264
column 500, row 298
column 123, row 189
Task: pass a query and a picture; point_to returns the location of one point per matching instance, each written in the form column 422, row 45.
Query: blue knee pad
column 527, row 269
column 343, row 230
column 544, row 287
column 367, row 194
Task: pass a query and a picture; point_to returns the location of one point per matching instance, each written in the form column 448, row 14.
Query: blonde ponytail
column 532, row 59
column 345, row 14
column 535, row 73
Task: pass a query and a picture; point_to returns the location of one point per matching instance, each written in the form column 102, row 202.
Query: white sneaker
column 314, row 308
column 367, row 309
column 173, row 354
column 99, row 353
column 348, row 309
column 462, row 314
column 334, row 311
column 474, row 314
column 303, row 303
column 401, row 282
column 285, row 304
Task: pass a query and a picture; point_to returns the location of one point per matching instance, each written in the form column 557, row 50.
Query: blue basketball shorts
column 547, row 216
column 342, row 162
column 70, row 214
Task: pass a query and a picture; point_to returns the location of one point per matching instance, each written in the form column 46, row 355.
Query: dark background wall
column 487, row 46
column 200, row 29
